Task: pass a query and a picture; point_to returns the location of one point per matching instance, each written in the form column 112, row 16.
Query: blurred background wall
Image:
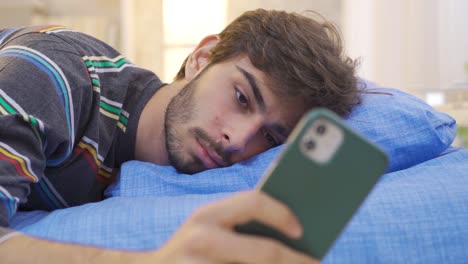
column 420, row 46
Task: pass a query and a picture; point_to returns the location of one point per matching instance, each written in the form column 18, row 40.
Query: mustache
column 216, row 146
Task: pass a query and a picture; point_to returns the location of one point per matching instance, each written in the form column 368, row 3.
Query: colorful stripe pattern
column 111, row 113
column 58, row 79
column 109, row 108
column 10, row 202
column 53, row 29
column 7, row 33
column 89, row 149
column 9, row 107
column 49, row 195
column 123, row 120
column 21, row 163
column 105, row 174
column 102, row 64
column 23, row 167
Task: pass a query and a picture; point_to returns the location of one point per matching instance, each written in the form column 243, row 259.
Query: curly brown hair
column 301, row 57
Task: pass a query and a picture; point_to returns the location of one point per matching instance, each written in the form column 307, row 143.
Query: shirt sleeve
column 41, row 79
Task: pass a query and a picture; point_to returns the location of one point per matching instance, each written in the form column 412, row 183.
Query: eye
column 270, row 139
column 241, row 98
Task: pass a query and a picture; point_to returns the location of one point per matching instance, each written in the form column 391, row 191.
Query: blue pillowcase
column 405, row 127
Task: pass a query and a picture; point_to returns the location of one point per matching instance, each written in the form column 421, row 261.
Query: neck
column 150, row 139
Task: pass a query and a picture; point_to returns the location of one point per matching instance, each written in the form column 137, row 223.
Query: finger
column 229, row 247
column 253, row 205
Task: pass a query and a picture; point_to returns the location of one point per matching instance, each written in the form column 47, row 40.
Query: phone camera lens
column 310, row 144
column 321, row 129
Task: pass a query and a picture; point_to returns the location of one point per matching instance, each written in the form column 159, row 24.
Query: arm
column 33, row 124
column 207, row 237
column 42, row 251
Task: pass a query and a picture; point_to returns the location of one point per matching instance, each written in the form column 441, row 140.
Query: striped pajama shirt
column 69, row 110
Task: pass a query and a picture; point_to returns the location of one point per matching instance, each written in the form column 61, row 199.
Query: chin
column 186, row 165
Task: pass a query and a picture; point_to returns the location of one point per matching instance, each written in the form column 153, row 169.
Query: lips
column 210, row 158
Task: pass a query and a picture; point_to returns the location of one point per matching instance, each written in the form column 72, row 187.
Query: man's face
column 224, row 115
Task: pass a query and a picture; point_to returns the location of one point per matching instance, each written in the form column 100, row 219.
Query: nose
column 237, row 136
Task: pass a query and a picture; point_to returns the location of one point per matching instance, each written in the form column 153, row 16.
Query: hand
column 208, row 236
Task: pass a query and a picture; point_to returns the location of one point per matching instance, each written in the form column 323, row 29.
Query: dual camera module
column 310, row 143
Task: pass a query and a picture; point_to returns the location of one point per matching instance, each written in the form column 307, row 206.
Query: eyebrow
column 253, row 84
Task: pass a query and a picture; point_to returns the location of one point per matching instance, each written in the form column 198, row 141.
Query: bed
column 417, row 213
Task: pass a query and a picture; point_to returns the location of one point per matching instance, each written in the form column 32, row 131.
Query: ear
column 199, row 58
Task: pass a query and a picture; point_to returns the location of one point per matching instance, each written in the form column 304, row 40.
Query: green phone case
column 323, row 195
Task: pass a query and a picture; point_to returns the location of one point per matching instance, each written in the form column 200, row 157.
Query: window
column 185, row 23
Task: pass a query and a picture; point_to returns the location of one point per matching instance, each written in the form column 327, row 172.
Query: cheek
column 217, row 107
column 211, row 103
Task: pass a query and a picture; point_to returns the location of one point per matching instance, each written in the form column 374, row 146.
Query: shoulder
column 25, row 35
column 54, row 37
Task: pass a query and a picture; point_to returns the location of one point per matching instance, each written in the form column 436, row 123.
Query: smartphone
column 323, row 173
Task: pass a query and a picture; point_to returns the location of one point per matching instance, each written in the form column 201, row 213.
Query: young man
column 72, row 110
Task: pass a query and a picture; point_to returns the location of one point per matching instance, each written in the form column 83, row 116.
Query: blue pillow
column 405, row 127
column 416, row 215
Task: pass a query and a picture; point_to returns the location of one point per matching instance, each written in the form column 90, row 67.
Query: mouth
column 210, row 158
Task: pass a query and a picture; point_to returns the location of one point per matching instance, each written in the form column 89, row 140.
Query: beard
column 180, row 111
